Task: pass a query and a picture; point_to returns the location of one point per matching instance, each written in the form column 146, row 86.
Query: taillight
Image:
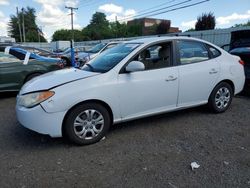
column 242, row 62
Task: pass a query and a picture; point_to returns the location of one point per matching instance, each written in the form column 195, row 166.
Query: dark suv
column 240, row 46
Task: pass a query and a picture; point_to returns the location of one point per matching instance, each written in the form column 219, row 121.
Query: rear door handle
column 213, row 71
column 171, row 78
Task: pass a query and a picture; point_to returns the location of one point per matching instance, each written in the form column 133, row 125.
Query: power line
column 85, row 2
column 138, row 15
column 186, row 6
column 171, row 10
column 91, row 4
column 156, row 6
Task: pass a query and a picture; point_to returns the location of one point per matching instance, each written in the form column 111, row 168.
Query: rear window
column 192, row 52
column 214, row 52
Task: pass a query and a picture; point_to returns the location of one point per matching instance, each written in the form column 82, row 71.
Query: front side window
column 192, row 52
column 110, row 58
column 156, row 56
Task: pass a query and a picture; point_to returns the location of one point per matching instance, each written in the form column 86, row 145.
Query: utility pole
column 24, row 38
column 39, row 32
column 72, row 38
column 19, row 25
column 116, row 27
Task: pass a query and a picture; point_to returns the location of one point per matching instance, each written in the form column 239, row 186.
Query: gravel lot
column 152, row 152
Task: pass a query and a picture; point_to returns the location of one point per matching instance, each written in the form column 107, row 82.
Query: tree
column 205, row 22
column 134, row 30
column 98, row 28
column 118, row 29
column 163, row 27
column 189, row 30
column 242, row 24
column 32, row 32
column 66, row 34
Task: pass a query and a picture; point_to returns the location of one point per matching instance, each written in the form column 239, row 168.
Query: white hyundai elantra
column 132, row 80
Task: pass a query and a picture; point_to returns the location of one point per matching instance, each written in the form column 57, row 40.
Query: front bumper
column 40, row 121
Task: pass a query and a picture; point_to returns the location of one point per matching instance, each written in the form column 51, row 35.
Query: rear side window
column 214, row 52
column 192, row 52
column 7, row 58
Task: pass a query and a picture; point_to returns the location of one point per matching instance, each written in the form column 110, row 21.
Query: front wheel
column 87, row 123
column 220, row 98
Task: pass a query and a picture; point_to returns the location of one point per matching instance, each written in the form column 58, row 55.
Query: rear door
column 198, row 72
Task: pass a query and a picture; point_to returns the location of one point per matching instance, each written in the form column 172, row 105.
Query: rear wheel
column 87, row 124
column 221, row 98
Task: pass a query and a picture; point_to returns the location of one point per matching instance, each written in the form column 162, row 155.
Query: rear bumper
column 38, row 120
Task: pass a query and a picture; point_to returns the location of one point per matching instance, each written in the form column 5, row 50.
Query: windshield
column 97, row 48
column 110, row 58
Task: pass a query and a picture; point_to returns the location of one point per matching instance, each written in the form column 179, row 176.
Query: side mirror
column 135, row 66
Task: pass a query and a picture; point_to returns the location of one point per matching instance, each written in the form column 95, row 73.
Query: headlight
column 32, row 99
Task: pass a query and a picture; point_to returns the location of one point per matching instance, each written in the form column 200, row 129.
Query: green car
column 14, row 72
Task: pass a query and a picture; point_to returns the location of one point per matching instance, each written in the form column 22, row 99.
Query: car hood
column 55, row 79
column 84, row 55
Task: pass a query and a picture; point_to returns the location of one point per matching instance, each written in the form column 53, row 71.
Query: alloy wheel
column 88, row 124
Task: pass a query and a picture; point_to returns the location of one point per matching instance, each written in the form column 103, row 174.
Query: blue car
column 21, row 53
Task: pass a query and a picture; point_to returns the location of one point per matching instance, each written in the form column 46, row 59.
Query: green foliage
column 98, row 28
column 191, row 29
column 66, row 34
column 31, row 29
column 205, row 22
column 134, row 30
column 242, row 24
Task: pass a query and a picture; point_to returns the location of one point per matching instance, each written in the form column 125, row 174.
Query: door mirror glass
column 135, row 66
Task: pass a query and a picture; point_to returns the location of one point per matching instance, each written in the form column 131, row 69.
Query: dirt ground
column 151, row 152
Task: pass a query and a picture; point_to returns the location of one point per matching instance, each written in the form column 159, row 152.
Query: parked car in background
column 240, row 46
column 82, row 57
column 14, row 71
column 66, row 54
column 134, row 79
column 39, row 51
column 21, row 53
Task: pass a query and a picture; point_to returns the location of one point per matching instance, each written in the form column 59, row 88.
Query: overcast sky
column 52, row 15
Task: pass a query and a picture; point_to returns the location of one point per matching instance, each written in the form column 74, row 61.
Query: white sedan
column 132, row 80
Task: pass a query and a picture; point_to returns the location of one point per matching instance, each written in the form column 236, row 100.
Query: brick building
column 149, row 25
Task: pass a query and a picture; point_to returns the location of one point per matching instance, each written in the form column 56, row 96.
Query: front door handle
column 171, row 78
column 213, row 71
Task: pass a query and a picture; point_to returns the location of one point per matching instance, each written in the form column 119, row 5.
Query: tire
column 220, row 98
column 86, row 124
column 32, row 76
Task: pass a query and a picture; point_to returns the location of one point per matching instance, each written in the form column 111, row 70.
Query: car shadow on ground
column 8, row 94
column 26, row 138
column 29, row 139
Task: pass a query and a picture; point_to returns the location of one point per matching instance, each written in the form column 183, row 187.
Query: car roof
column 159, row 39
